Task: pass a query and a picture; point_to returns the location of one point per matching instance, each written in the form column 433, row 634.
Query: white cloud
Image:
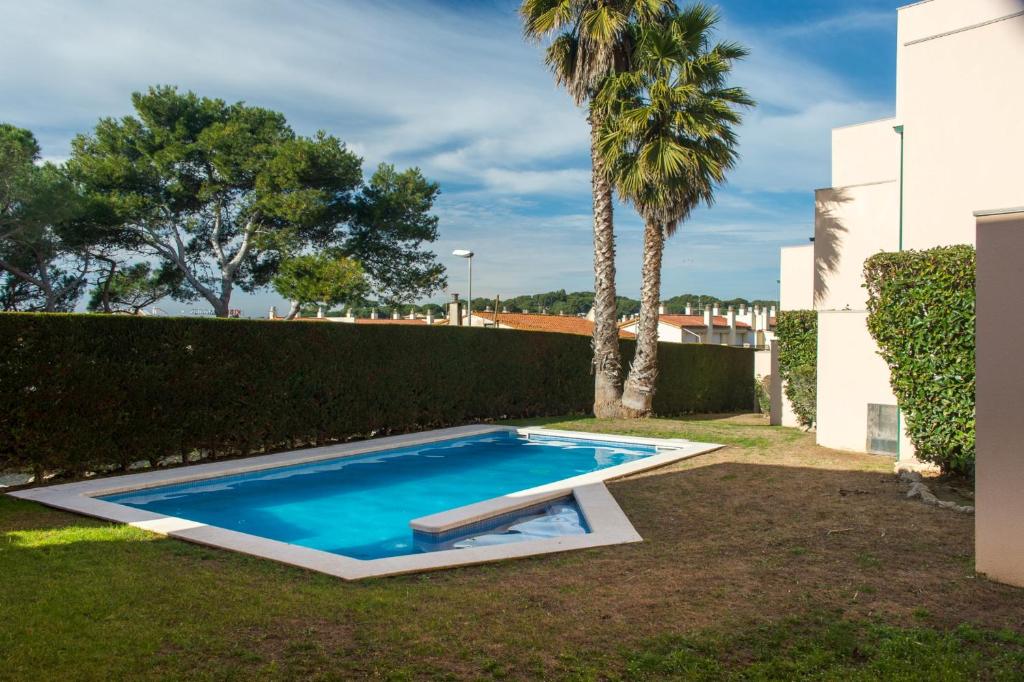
column 858, row 20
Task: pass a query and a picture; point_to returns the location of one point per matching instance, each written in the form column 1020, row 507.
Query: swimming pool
column 397, row 504
column 362, row 506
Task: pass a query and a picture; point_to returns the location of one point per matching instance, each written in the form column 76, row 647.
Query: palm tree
column 667, row 141
column 590, row 41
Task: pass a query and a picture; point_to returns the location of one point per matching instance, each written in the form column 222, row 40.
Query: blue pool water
column 361, row 506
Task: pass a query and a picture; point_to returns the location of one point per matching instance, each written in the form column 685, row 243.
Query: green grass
column 718, row 590
column 830, row 648
column 697, row 428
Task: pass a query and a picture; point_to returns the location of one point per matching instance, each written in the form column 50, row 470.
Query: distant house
column 396, row 321
column 534, row 322
column 374, row 318
column 753, row 327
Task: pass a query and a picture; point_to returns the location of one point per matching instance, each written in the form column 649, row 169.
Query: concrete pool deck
column 608, row 524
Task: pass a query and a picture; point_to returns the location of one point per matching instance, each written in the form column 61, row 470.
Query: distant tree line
column 579, row 303
column 552, row 302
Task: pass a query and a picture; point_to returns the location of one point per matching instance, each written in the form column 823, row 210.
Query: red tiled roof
column 299, row 319
column 385, row 320
column 562, row 324
column 692, row 321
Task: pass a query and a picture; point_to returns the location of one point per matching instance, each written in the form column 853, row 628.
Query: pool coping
column 608, row 523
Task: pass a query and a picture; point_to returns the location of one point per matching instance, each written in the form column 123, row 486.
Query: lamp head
column 462, row 253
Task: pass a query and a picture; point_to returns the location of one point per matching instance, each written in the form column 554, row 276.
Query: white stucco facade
column 953, row 147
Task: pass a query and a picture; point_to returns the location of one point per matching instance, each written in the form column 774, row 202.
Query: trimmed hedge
column 921, row 314
column 797, row 333
column 85, row 392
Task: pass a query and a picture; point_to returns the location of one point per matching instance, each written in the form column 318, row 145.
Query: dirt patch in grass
column 763, row 547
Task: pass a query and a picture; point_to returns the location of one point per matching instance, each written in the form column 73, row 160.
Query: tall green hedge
column 797, row 334
column 921, row 314
column 82, row 392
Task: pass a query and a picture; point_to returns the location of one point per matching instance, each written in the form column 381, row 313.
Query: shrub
column 797, row 334
column 763, row 393
column 84, row 392
column 921, row 314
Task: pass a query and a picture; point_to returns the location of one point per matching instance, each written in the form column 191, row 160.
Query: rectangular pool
column 360, row 506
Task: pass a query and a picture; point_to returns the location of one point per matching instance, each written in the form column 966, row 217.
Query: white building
column 912, row 181
column 751, row 327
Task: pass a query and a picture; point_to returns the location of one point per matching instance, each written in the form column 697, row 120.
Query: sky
column 451, row 87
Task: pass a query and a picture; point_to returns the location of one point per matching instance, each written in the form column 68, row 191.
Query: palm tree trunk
column 607, row 362
column 639, row 390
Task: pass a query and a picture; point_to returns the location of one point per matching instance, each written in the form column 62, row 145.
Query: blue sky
column 451, row 87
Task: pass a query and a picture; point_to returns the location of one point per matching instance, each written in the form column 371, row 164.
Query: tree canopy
column 224, row 193
column 47, row 229
column 321, row 279
column 132, row 288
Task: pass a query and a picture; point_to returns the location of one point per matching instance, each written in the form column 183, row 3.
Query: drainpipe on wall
column 899, row 131
column 899, row 412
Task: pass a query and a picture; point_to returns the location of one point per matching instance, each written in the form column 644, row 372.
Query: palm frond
column 669, row 134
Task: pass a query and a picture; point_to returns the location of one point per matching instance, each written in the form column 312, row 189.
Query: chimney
column 731, row 315
column 273, row 313
column 430, row 316
column 395, row 314
column 373, row 314
column 319, row 312
column 743, row 309
column 708, row 325
column 689, row 309
column 351, row 314
column 504, row 310
column 662, row 309
column 771, row 312
column 716, row 310
column 455, row 311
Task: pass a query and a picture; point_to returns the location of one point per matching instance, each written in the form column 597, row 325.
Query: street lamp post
column 468, row 255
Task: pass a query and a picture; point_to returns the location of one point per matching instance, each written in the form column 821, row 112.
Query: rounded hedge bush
column 797, row 334
column 921, row 314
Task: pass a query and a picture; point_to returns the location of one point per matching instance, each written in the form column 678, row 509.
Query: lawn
column 769, row 559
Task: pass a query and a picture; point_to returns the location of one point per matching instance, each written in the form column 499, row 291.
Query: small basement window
column 883, row 429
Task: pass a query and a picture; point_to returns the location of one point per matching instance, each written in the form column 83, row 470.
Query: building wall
column 959, row 104
column 850, row 225
column 850, row 375
column 796, row 280
column 999, row 470
column 960, row 101
column 865, row 153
